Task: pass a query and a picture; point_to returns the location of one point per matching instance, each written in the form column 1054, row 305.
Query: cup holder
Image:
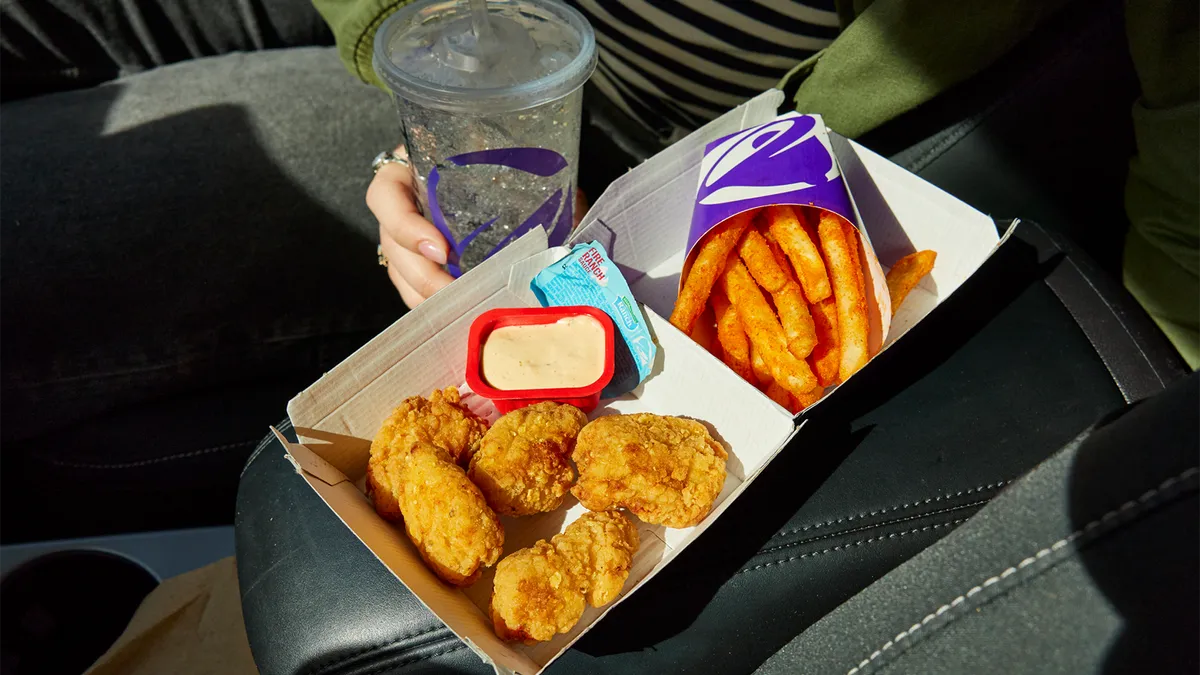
column 61, row 611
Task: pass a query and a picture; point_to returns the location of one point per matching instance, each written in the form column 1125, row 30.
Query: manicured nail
column 432, row 252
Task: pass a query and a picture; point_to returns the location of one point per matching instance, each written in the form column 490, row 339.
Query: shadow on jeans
column 164, row 289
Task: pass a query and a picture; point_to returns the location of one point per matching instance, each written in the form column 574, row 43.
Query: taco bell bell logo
column 741, row 168
column 540, row 162
column 786, row 161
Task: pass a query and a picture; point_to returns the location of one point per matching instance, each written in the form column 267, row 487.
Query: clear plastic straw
column 480, row 22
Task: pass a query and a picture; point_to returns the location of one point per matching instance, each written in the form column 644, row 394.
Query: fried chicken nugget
column 521, row 465
column 665, row 470
column 445, row 515
column 601, row 544
column 441, row 420
column 536, row 595
column 542, row 590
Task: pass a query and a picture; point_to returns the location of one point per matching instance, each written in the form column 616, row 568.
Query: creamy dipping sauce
column 564, row 354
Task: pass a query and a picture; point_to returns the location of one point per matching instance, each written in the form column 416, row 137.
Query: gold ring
column 383, row 261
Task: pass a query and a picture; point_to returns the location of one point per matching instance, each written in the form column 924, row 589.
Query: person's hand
column 414, row 248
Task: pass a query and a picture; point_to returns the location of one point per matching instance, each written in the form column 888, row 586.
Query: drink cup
column 490, row 114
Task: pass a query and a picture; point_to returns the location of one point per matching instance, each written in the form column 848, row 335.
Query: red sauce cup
column 506, row 400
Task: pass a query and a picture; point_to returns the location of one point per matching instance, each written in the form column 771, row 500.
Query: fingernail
column 432, row 252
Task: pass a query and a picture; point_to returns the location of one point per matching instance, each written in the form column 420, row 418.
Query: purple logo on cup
column 535, row 161
column 786, row 161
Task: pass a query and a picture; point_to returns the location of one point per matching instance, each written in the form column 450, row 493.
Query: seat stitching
column 1089, row 530
column 329, row 665
column 417, row 659
column 864, row 528
column 326, row 668
column 869, row 514
column 146, row 462
column 863, row 542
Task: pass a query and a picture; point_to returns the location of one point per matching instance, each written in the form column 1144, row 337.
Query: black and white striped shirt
column 672, row 65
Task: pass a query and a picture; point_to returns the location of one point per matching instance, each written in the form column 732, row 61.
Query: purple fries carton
column 785, row 161
column 788, row 160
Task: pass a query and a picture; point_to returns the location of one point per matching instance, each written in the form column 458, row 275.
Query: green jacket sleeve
column 354, row 23
column 1162, row 193
column 897, row 54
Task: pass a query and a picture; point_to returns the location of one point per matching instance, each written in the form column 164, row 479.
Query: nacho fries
column 707, row 268
column 788, row 299
column 907, row 273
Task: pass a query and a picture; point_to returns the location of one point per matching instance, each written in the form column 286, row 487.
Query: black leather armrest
column 318, row 601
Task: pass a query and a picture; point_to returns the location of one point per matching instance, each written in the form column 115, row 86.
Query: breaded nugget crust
column 600, row 545
column 440, row 420
column 535, row 595
column 445, row 515
column 542, row 590
column 521, row 465
column 665, row 470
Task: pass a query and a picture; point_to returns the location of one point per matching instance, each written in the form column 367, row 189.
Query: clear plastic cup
column 490, row 116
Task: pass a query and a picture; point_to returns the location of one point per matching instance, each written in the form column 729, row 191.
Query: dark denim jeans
column 182, row 248
column 60, row 45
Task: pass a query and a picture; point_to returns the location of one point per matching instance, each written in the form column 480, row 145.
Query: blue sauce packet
column 587, row 277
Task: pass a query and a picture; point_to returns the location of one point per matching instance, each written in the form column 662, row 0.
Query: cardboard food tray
column 642, row 220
